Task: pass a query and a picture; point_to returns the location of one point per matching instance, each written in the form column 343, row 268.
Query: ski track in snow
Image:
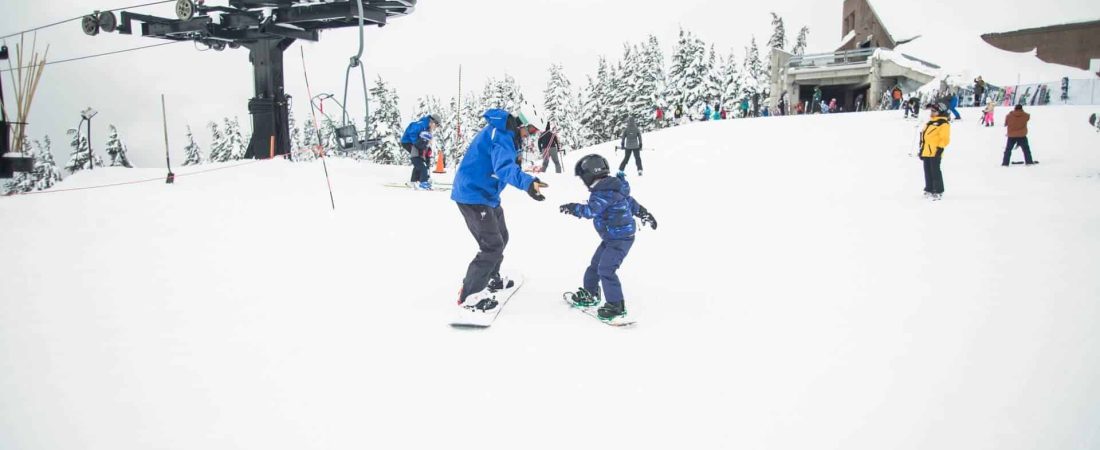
column 800, row 293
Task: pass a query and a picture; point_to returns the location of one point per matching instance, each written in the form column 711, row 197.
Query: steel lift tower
column 267, row 28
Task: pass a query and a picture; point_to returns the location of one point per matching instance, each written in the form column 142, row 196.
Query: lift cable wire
column 48, row 63
column 81, row 17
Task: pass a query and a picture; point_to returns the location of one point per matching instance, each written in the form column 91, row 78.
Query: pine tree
column 46, row 174
column 754, row 72
column 688, row 73
column 445, row 140
column 219, row 145
column 295, row 134
column 594, row 115
column 116, row 149
column 561, row 108
column 715, row 88
column 779, row 33
column 23, row 181
column 385, row 125
column 78, row 158
column 309, row 141
column 800, row 43
column 650, row 84
column 192, row 151
column 235, row 141
column 731, row 82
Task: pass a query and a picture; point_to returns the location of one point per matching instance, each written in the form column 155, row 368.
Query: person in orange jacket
column 933, row 141
column 1016, row 122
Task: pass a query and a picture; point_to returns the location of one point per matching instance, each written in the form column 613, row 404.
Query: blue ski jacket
column 412, row 132
column 490, row 164
column 954, row 102
column 612, row 208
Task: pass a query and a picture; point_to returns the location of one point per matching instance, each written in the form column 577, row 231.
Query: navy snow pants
column 609, row 256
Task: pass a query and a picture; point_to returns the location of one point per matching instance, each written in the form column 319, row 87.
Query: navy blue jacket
column 412, row 132
column 612, row 208
column 490, row 164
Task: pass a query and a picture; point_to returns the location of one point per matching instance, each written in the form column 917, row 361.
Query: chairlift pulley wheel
column 90, row 25
column 108, row 23
column 185, row 9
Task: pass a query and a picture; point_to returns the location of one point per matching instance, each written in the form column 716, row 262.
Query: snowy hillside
column 799, row 294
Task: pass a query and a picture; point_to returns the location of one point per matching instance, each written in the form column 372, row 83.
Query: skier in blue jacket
column 417, row 142
column 613, row 210
column 491, row 164
column 954, row 104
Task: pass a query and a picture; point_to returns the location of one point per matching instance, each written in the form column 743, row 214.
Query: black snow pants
column 557, row 162
column 637, row 159
column 933, row 176
column 1012, row 143
column 491, row 233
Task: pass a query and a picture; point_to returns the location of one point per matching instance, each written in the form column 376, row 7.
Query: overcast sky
column 420, row 54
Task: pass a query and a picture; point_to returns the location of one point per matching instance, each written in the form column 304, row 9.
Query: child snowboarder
column 613, row 211
column 912, row 107
column 987, row 119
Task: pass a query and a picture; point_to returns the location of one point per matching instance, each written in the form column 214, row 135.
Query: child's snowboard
column 469, row 318
column 591, row 312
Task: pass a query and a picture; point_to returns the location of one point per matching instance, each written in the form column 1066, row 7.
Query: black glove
column 569, row 208
column 647, row 218
column 533, row 190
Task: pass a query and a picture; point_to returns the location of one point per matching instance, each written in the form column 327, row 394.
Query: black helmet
column 591, row 168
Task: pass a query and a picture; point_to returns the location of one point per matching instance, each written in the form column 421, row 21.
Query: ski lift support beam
column 267, row 28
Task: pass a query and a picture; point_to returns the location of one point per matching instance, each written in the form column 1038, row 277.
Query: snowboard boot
column 639, row 172
column 482, row 301
column 499, row 283
column 425, row 185
column 611, row 311
column 584, row 299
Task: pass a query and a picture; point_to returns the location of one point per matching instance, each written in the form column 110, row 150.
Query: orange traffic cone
column 439, row 164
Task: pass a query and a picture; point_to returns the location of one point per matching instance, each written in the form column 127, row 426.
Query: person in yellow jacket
column 933, row 141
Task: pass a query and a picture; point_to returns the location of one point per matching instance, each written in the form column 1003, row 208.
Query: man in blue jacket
column 417, row 142
column 490, row 165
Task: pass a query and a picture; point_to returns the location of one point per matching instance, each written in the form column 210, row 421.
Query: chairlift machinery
column 267, row 28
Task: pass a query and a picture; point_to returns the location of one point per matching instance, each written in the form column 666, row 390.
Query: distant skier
column 859, row 103
column 933, row 141
column 816, row 100
column 832, row 105
column 912, row 107
column 1016, row 122
column 632, row 144
column 706, row 113
column 979, row 91
column 550, row 145
column 987, row 116
column 417, row 142
column 1094, row 121
column 489, row 166
column 716, row 113
column 783, row 104
column 895, row 96
column 679, row 114
column 613, row 210
column 744, row 107
column 660, row 119
column 756, row 104
column 955, row 104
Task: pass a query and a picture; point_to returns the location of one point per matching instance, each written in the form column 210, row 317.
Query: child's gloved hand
column 647, row 218
column 569, row 208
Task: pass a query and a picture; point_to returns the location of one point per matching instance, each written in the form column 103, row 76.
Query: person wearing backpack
column 632, row 144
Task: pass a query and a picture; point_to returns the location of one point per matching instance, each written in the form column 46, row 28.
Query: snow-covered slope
column 800, row 293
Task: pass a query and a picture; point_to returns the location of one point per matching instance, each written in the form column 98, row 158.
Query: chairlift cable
column 81, row 17
column 50, row 63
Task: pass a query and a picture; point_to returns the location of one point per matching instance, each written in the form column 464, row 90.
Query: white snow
column 799, row 294
column 970, row 56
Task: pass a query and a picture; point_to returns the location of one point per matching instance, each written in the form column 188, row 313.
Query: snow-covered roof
column 968, row 56
column 847, row 38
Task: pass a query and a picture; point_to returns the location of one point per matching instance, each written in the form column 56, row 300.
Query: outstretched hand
column 647, row 218
column 569, row 208
column 534, row 190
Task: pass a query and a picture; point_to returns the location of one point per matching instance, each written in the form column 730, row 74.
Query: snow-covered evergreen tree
column 235, row 140
column 779, row 33
column 445, row 140
column 46, row 173
column 78, row 158
column 755, row 79
column 23, row 181
column 800, row 43
column 687, row 75
column 116, row 149
column 192, row 152
column 650, row 83
column 731, row 82
column 561, row 108
column 594, row 114
column 220, row 150
column 425, row 106
column 385, row 125
column 715, row 88
column 309, row 142
column 473, row 120
column 503, row 94
column 295, row 133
